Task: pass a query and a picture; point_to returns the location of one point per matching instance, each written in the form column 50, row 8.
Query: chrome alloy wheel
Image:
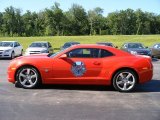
column 28, row 77
column 125, row 81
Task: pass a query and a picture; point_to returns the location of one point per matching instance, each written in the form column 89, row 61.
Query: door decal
column 78, row 68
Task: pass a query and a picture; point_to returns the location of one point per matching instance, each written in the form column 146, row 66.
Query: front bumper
column 5, row 54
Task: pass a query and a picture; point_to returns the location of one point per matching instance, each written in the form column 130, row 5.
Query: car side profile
column 39, row 48
column 84, row 65
column 136, row 49
column 10, row 49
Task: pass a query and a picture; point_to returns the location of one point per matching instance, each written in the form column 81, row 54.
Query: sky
column 107, row 5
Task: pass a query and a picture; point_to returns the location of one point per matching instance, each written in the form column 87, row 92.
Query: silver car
column 39, row 48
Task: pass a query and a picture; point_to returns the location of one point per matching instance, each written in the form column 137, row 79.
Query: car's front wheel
column 12, row 55
column 125, row 80
column 28, row 77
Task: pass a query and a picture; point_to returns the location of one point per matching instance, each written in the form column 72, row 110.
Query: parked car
column 82, row 64
column 69, row 44
column 10, row 49
column 107, row 44
column 155, row 50
column 39, row 48
column 136, row 49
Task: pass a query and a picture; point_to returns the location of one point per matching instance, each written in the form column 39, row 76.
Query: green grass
column 118, row 40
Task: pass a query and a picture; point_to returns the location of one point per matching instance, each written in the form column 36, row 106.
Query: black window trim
column 99, row 54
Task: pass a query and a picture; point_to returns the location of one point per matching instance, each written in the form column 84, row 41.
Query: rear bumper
column 145, row 76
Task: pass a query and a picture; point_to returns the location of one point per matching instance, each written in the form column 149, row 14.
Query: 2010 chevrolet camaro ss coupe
column 82, row 64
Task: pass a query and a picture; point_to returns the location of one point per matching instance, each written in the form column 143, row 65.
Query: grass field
column 118, row 40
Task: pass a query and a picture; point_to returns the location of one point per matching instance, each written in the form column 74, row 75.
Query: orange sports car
column 82, row 64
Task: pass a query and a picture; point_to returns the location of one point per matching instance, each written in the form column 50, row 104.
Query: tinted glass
column 6, row 44
column 38, row 45
column 135, row 45
column 49, row 44
column 157, row 46
column 18, row 44
column 105, row 53
column 84, row 53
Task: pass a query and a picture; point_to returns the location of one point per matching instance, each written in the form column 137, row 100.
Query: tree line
column 77, row 21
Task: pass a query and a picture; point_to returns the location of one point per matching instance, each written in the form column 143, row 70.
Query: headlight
column 44, row 51
column 133, row 52
column 7, row 50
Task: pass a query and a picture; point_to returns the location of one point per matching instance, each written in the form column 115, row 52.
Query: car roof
column 8, row 41
column 89, row 46
column 104, row 43
column 72, row 42
column 133, row 43
column 40, row 42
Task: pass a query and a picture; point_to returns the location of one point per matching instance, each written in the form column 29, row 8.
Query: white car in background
column 10, row 49
column 39, row 48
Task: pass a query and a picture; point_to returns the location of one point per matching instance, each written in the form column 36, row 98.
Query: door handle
column 96, row 63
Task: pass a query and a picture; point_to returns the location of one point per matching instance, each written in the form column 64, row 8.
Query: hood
column 5, row 48
column 36, row 49
column 44, row 55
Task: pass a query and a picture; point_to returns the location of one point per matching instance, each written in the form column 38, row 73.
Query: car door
column 82, row 65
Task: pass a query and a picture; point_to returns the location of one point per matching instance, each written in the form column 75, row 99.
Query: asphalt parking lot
column 66, row 102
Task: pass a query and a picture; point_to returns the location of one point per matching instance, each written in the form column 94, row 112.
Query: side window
column 18, row 44
column 49, row 45
column 67, row 45
column 105, row 53
column 15, row 44
column 157, row 46
column 84, row 53
column 124, row 46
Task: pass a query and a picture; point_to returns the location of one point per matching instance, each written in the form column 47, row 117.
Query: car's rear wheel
column 125, row 80
column 28, row 77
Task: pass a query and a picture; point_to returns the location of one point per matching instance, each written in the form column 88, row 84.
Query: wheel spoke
column 30, row 82
column 125, row 86
column 22, row 75
column 28, row 71
column 24, row 82
column 33, row 76
column 121, row 75
column 130, row 82
column 129, row 75
column 119, row 82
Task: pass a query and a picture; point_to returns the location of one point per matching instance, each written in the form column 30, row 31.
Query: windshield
column 6, row 44
column 38, row 45
column 135, row 45
column 54, row 54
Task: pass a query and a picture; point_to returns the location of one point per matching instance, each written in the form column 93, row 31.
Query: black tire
column 12, row 55
column 120, row 83
column 23, row 76
column 21, row 53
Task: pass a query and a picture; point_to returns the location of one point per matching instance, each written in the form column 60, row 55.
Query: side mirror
column 63, row 56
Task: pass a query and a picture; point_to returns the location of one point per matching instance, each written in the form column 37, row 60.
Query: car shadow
column 151, row 86
column 5, row 59
column 155, row 59
column 78, row 87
